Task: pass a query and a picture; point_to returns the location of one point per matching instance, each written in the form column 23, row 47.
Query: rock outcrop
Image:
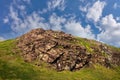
column 55, row 48
column 58, row 49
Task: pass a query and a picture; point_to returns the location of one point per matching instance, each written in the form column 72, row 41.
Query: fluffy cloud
column 59, row 4
column 70, row 26
column 75, row 28
column 95, row 12
column 56, row 22
column 110, row 30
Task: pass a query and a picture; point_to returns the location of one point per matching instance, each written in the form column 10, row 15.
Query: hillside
column 54, row 55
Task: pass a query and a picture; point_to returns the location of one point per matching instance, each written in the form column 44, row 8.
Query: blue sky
column 92, row 19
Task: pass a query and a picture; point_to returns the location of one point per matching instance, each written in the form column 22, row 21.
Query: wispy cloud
column 28, row 1
column 116, row 5
column 59, row 4
column 54, row 4
column 5, row 20
column 27, row 22
column 21, row 7
column 95, row 12
column 56, row 22
column 84, row 8
column 20, row 21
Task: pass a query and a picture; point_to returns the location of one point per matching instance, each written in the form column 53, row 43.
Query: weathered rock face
column 116, row 58
column 55, row 48
column 63, row 51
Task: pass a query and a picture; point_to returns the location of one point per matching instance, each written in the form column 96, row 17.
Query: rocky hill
column 54, row 55
column 63, row 51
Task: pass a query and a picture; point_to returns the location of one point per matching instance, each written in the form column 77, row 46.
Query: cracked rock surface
column 62, row 50
column 53, row 47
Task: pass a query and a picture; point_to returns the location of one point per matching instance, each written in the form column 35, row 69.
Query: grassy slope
column 12, row 67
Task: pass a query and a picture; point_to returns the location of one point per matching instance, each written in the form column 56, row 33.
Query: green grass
column 97, row 73
column 12, row 67
column 86, row 43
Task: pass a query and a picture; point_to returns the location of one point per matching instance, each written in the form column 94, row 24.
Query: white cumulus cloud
column 95, row 12
column 56, row 22
column 75, row 28
column 110, row 30
column 70, row 26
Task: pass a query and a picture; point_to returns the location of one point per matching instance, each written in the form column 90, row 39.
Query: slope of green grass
column 12, row 67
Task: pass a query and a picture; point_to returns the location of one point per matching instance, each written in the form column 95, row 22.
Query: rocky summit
column 63, row 51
